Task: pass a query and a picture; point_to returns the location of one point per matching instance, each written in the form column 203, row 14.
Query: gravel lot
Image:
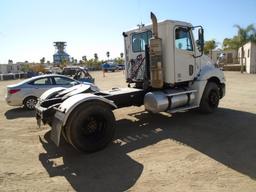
column 180, row 152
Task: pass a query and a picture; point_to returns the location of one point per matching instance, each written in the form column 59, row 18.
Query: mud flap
column 56, row 127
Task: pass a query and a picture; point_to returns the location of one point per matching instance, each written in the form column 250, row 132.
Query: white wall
column 9, row 68
column 231, row 53
column 249, row 57
column 253, row 58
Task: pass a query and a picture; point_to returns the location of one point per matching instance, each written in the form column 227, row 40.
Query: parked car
column 78, row 73
column 26, row 92
column 121, row 66
column 110, row 66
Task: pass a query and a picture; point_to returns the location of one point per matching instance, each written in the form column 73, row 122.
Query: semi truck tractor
column 165, row 70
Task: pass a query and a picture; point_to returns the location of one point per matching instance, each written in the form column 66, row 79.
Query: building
column 60, row 56
column 249, row 59
column 230, row 56
column 9, row 68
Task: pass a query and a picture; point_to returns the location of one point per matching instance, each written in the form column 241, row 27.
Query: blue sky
column 28, row 28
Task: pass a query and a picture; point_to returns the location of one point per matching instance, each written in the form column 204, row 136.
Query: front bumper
column 13, row 101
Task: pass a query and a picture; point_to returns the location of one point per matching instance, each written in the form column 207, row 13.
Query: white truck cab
column 181, row 59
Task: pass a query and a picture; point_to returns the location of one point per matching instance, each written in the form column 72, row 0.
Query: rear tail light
column 13, row 91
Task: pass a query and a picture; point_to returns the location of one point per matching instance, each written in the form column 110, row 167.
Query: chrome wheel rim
column 30, row 103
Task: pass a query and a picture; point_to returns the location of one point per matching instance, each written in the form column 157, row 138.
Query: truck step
column 181, row 93
column 184, row 108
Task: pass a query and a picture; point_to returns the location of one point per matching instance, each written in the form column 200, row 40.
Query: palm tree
column 42, row 60
column 108, row 54
column 96, row 57
column 209, row 46
column 84, row 58
column 83, row 61
column 72, row 60
column 230, row 44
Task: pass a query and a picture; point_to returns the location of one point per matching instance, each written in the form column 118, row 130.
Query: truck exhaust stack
column 155, row 50
column 154, row 24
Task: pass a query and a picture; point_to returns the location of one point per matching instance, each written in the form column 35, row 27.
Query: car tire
column 210, row 99
column 30, row 102
column 91, row 127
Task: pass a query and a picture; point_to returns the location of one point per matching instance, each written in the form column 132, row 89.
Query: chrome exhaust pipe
column 154, row 23
column 155, row 51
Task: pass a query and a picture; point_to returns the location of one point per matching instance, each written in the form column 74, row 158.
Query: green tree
column 72, row 60
column 63, row 63
column 42, row 61
column 209, row 46
column 84, row 58
column 25, row 67
column 230, row 44
column 96, row 57
column 119, row 60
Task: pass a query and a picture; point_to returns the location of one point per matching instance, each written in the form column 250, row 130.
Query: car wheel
column 30, row 102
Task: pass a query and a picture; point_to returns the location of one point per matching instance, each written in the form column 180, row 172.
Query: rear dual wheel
column 90, row 127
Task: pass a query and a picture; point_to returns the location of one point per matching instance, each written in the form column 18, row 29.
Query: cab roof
column 165, row 22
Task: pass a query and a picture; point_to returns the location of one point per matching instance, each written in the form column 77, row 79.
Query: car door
column 64, row 81
column 184, row 55
column 39, row 86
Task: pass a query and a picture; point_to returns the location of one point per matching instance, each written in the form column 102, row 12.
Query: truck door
column 184, row 60
column 136, row 64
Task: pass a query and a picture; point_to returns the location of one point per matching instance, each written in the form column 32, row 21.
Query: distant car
column 120, row 66
column 109, row 67
column 78, row 73
column 26, row 92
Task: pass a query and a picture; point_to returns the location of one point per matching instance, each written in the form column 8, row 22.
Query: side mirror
column 200, row 41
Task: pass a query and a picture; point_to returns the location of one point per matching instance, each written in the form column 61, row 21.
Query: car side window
column 42, row 81
column 62, row 81
column 183, row 39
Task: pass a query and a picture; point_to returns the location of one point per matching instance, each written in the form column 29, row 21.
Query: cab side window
column 139, row 40
column 183, row 39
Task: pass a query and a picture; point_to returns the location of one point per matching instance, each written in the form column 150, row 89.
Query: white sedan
column 26, row 92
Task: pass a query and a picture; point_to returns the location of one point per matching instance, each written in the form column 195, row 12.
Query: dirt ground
column 181, row 152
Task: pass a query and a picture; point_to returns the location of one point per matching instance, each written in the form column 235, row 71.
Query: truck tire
column 91, row 127
column 30, row 102
column 210, row 99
